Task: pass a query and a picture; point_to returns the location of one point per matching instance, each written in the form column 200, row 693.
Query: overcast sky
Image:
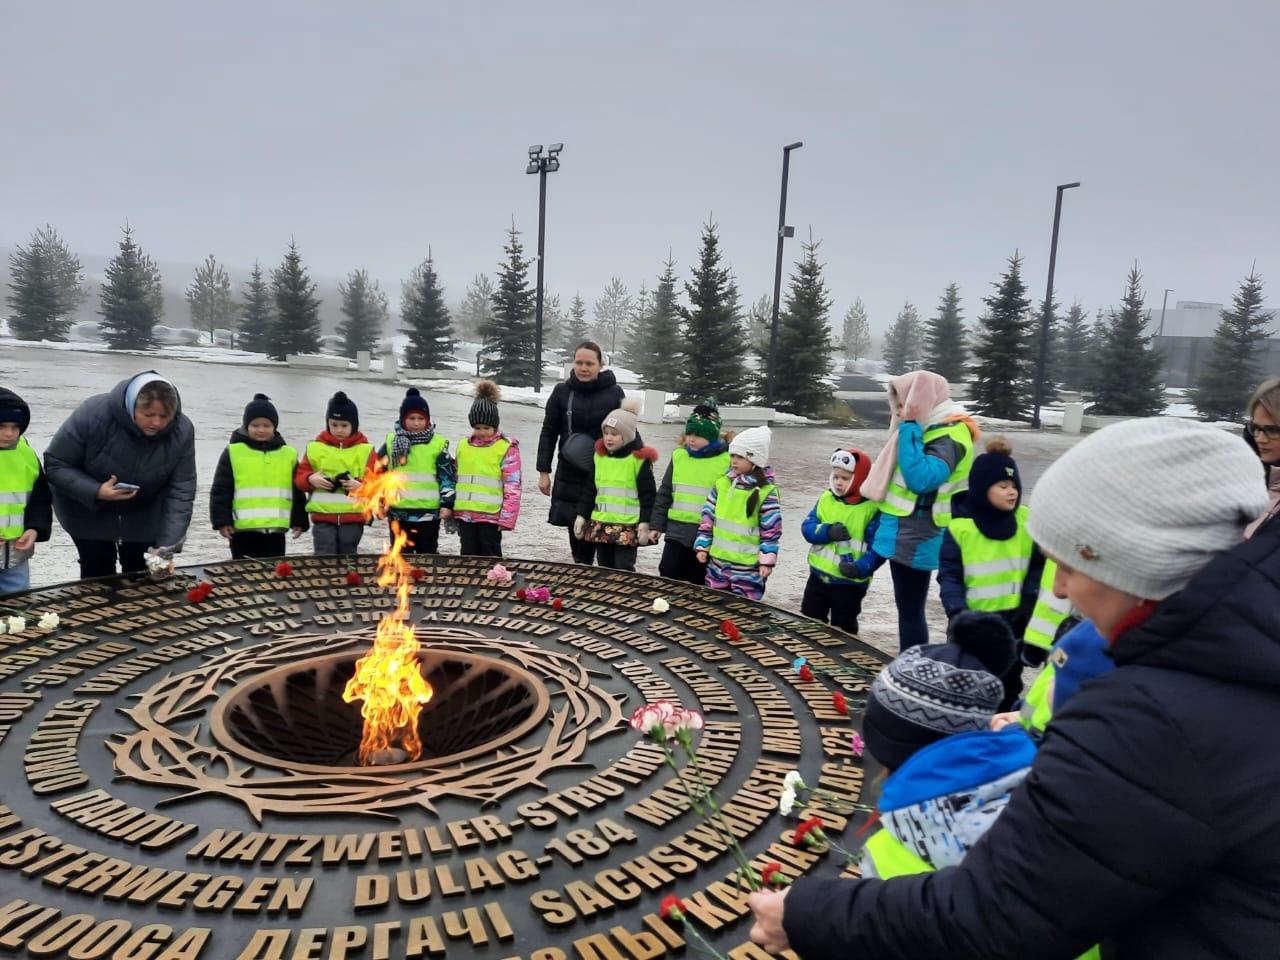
column 933, row 138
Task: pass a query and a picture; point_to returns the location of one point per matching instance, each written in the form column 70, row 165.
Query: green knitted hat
column 704, row 422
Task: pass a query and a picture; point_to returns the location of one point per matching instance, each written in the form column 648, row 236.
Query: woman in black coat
column 571, row 426
column 122, row 469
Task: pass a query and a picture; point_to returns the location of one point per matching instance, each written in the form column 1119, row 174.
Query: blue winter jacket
column 914, row 541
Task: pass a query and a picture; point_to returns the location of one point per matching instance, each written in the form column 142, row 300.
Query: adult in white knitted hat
column 1148, row 823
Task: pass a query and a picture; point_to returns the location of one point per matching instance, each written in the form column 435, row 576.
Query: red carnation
column 354, row 579
column 806, row 673
column 800, row 836
column 284, row 569
column 770, row 876
column 200, row 592
column 417, row 573
column 841, row 704
column 730, row 629
column 672, row 908
column 557, row 604
column 520, row 594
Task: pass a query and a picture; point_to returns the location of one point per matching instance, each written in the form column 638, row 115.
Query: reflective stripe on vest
column 263, row 494
column 617, row 490
column 1049, row 611
column 826, row 557
column 1037, row 704
column 892, row 858
column 421, row 489
column 901, row 502
column 736, row 536
column 994, row 570
column 332, row 461
column 691, row 480
column 19, row 470
column 479, row 488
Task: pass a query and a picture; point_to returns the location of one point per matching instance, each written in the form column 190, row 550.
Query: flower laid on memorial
column 857, row 744
column 498, row 574
column 157, row 565
column 809, row 833
column 284, row 569
column 539, row 595
column 557, row 604
column 660, row 605
column 730, row 630
column 799, row 664
column 416, row 574
column 15, row 624
column 672, row 909
column 49, row 622
column 354, row 579
column 521, row 593
column 771, row 875
column 200, row 592
column 806, row 673
column 840, row 703
column 665, row 722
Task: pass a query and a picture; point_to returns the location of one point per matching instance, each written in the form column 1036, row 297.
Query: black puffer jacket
column 592, row 402
column 1149, row 822
column 223, row 492
column 100, row 440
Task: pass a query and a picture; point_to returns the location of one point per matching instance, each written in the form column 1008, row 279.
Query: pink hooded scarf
column 925, row 398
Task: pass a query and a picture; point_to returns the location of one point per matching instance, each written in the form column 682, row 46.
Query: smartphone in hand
column 130, row 487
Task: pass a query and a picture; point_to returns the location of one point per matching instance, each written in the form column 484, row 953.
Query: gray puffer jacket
column 100, row 440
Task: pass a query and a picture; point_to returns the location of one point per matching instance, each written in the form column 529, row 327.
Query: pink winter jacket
column 510, row 511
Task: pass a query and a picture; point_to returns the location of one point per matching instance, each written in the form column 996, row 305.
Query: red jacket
column 302, row 475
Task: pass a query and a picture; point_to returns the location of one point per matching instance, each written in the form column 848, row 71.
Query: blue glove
column 860, row 569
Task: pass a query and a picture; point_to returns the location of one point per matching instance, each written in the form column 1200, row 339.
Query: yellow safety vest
column 479, row 488
column 691, row 480
column 736, row 536
column 422, row 487
column 1049, row 611
column 826, row 557
column 263, row 495
column 19, row 470
column 617, row 489
column 994, row 570
column 332, row 461
column 901, row 502
column 1037, row 703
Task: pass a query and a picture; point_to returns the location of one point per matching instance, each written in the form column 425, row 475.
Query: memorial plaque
column 234, row 772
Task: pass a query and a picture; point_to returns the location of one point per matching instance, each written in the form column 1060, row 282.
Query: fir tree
column 213, row 306
column 425, row 320
column 509, row 336
column 637, row 324
column 1073, row 365
column 857, row 334
column 945, row 347
column 711, row 338
column 297, row 326
column 804, row 340
column 364, row 307
column 656, row 352
column 257, row 318
column 1232, row 369
column 132, row 301
column 45, row 280
column 1130, row 371
column 612, row 311
column 1053, row 352
column 552, row 320
column 759, row 322
column 1004, row 353
column 577, row 329
column 477, row 308
column 902, row 341
column 1097, row 348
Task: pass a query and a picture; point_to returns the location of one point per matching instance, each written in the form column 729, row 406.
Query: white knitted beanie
column 752, row 443
column 1143, row 505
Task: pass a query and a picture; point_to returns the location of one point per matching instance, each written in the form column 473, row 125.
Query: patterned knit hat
column 342, row 407
column 414, row 401
column 484, row 408
column 260, row 406
column 704, row 422
column 931, row 692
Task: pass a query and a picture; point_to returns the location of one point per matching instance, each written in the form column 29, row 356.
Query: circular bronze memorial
column 181, row 776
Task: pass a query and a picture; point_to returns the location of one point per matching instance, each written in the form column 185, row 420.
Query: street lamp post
column 541, row 166
column 1048, row 307
column 783, row 232
column 1164, row 303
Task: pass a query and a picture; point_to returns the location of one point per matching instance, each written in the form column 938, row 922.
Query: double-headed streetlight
column 541, row 165
column 1048, row 307
column 783, row 232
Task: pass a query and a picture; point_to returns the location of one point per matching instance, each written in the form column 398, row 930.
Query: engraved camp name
column 50, row 761
column 42, row 931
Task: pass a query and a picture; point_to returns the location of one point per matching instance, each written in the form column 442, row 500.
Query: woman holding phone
column 122, row 469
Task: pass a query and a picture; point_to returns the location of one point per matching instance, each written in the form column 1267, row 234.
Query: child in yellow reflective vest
column 742, row 520
column 488, row 491
column 617, row 501
column 26, row 505
column 253, row 500
column 415, row 449
column 839, row 527
column 700, row 459
column 330, row 470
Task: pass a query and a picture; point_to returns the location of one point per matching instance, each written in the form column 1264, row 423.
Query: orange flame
column 389, row 678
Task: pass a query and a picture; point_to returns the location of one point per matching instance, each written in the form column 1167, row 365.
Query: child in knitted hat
column 414, row 448
column 28, row 518
column 330, row 472
column 488, row 500
column 700, row 459
column 988, row 560
column 253, row 500
column 927, row 723
column 741, row 522
column 617, row 500
column 839, row 527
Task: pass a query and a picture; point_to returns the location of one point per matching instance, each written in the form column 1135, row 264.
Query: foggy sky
column 933, row 137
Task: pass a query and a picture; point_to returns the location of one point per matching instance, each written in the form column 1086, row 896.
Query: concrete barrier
column 1072, row 417
column 655, row 403
column 316, row 361
column 1093, row 421
column 412, row 374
